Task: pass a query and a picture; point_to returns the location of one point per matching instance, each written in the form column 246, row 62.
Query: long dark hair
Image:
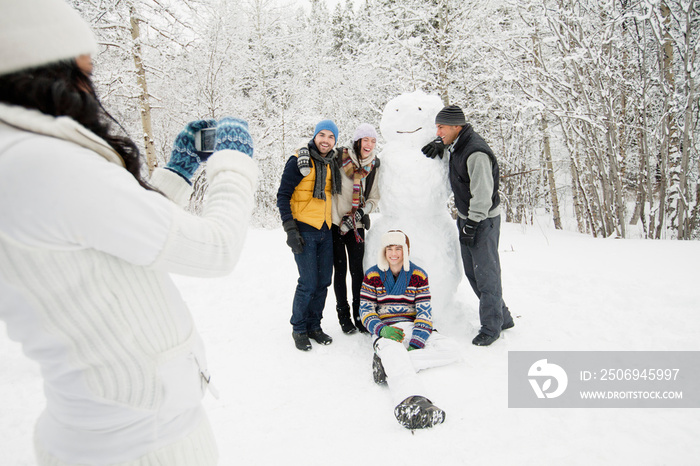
column 63, row 89
column 357, row 148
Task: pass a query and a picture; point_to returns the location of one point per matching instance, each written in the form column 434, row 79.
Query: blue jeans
column 315, row 265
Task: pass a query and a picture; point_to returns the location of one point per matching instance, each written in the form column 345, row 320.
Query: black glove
column 294, row 239
column 365, row 221
column 467, row 235
column 362, row 217
column 434, row 148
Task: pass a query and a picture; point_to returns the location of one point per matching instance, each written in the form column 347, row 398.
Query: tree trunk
column 618, row 194
column 684, row 220
column 550, row 174
column 546, row 147
column 667, row 126
column 143, row 96
column 583, row 212
column 644, row 187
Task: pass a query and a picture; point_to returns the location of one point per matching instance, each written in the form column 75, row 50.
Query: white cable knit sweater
column 85, row 257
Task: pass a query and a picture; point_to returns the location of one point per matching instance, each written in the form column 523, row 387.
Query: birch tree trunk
column 643, row 189
column 546, row 147
column 547, row 153
column 684, row 221
column 666, row 75
column 581, row 206
column 144, row 102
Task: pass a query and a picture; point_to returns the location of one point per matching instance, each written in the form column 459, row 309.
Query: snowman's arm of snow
column 481, row 185
column 291, row 177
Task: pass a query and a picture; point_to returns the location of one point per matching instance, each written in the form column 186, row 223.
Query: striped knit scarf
column 357, row 173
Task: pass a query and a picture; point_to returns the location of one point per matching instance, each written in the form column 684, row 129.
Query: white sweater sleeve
column 211, row 244
column 172, row 185
column 60, row 196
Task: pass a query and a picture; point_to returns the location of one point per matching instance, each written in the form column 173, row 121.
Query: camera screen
column 208, row 139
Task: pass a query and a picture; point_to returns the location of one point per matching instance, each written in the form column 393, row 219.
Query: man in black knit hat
column 474, row 180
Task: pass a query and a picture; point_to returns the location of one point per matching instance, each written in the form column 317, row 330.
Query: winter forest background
column 591, row 106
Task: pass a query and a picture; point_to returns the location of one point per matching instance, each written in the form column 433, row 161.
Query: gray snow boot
column 418, row 412
column 378, row 370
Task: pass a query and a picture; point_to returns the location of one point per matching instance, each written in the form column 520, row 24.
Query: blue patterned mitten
column 232, row 133
column 184, row 159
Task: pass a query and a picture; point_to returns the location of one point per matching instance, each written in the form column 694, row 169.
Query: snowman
column 414, row 194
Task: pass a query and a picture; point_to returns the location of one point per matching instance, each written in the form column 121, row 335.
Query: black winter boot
column 301, row 341
column 346, row 324
column 418, row 412
column 484, row 340
column 320, row 337
column 359, row 326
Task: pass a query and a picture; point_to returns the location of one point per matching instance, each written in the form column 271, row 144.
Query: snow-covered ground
column 282, row 406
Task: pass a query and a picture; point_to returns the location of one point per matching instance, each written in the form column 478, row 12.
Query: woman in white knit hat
column 87, row 247
column 351, row 208
column 396, row 308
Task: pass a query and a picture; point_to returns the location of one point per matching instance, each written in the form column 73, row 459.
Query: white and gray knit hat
column 394, row 238
column 365, row 130
column 39, row 32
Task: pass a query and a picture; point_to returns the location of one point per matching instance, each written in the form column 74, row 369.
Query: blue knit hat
column 327, row 125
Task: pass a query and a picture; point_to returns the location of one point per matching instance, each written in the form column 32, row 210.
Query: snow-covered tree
column 592, row 106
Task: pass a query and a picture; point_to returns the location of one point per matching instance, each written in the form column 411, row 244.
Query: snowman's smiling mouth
column 410, row 132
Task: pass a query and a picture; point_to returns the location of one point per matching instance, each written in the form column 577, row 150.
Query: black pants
column 347, row 251
column 482, row 266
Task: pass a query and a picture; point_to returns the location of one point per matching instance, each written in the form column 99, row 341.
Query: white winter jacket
column 85, row 257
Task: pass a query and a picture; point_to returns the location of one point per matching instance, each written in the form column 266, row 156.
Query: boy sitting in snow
column 395, row 307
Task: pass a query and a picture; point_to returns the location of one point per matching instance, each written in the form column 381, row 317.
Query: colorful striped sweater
column 385, row 300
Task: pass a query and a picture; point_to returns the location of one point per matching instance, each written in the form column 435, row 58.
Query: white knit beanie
column 365, row 130
column 394, row 238
column 39, row 32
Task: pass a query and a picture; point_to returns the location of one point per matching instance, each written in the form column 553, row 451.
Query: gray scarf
column 322, row 164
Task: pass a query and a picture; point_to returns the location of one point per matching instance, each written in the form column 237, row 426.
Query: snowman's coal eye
column 420, row 109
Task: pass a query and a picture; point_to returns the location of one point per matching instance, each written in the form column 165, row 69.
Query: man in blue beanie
column 474, row 177
column 310, row 178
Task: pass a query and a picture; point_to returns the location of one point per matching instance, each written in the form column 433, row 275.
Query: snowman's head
column 410, row 118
